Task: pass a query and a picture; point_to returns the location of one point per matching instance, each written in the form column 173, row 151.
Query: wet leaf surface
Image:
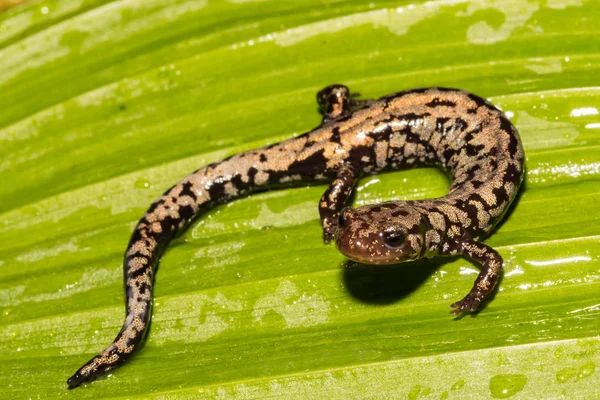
column 105, row 104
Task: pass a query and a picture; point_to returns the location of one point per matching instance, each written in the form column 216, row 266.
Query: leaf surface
column 105, row 104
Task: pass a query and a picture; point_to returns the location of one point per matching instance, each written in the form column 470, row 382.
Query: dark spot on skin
column 312, row 165
column 414, row 229
column 132, row 274
column 493, row 163
column 217, row 191
column 251, row 174
column 399, row 213
column 413, row 116
column 144, row 288
column 479, row 101
column 505, row 125
column 469, row 136
column 448, row 154
column 136, row 254
column 155, row 205
column 263, row 158
column 186, row 190
column 440, row 122
column 167, row 225
column 357, row 154
column 512, row 174
column 513, row 142
column 477, row 197
column 237, row 182
column 437, row 102
column 460, row 124
column 411, row 137
column 500, row 194
column 343, row 118
column 477, row 129
column 186, row 212
column 476, row 184
column 473, row 150
column 445, row 89
column 470, row 209
column 136, row 236
column 335, row 135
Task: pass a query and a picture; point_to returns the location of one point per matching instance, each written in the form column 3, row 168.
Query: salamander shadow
column 386, row 284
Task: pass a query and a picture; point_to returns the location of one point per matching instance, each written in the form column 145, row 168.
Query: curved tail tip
column 76, row 380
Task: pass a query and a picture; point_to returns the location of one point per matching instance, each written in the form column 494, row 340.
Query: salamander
column 455, row 130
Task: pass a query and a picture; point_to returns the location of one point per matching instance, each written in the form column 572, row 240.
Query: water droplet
column 565, row 375
column 141, row 184
column 418, row 391
column 505, row 386
column 558, row 353
column 458, row 385
column 586, row 370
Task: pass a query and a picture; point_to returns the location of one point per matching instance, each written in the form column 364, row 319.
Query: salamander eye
column 393, row 240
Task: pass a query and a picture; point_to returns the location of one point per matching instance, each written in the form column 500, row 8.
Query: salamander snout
column 380, row 234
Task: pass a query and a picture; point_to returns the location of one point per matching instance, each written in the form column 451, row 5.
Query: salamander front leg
column 334, row 199
column 336, row 101
column 491, row 264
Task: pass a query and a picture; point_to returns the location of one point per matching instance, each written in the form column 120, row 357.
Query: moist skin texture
column 462, row 133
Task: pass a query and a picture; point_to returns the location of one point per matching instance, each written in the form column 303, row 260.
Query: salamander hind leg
column 336, row 101
column 334, row 199
column 491, row 265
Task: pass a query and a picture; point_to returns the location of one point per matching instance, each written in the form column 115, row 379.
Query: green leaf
column 105, row 104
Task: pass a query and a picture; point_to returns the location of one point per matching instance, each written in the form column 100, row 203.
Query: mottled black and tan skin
column 455, row 130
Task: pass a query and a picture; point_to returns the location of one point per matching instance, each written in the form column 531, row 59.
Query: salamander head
column 386, row 233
